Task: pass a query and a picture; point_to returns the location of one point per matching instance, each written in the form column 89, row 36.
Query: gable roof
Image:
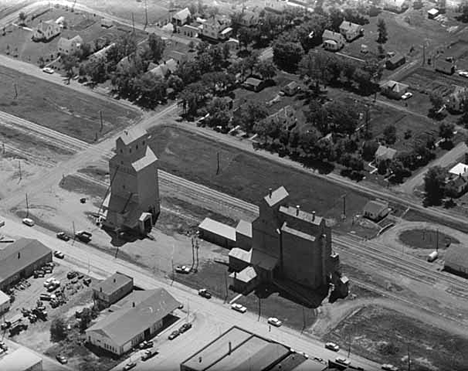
column 396, row 58
column 182, row 15
column 349, row 26
column 113, row 283
column 375, row 207
column 126, row 323
column 330, row 35
column 66, row 43
column 385, row 153
column 253, row 81
column 395, row 86
column 4, row 297
column 459, row 169
column 167, row 66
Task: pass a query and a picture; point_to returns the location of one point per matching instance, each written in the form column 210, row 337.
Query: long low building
column 21, row 360
column 20, row 259
column 217, row 233
column 456, row 260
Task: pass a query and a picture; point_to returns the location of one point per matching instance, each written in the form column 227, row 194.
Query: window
column 121, row 150
column 143, row 142
column 137, row 146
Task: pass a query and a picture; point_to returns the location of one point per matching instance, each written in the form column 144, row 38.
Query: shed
column 217, row 233
column 431, row 14
column 239, row 259
column 107, row 23
column 291, row 89
column 244, row 281
column 254, row 84
column 456, row 260
column 376, row 210
column 396, row 61
column 444, row 66
column 384, row 153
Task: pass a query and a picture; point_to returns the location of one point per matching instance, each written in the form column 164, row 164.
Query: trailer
column 432, row 256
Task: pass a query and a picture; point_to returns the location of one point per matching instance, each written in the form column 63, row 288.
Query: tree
column 266, row 69
column 451, row 190
column 446, row 130
column 85, row 51
column 156, row 46
column 434, row 185
column 389, row 134
column 58, row 330
column 382, row 167
column 336, row 17
column 398, row 171
column 382, row 30
column 22, row 18
column 368, row 149
column 40, row 61
column 85, row 319
column 287, row 55
column 69, row 62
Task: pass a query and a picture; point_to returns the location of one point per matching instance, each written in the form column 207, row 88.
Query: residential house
column 233, row 44
column 432, row 13
column 165, row 68
column 112, row 289
column 189, row 30
column 181, row 18
column 254, row 84
column 100, row 54
column 69, row 46
column 106, row 23
column 351, row 30
column 135, row 318
column 396, row 61
column 45, row 31
column 444, row 66
column 458, row 178
column 384, row 153
column 457, row 99
column 393, row 89
column 217, row 28
column 333, row 41
column 248, row 19
column 376, row 210
column 397, row 6
column 291, row 89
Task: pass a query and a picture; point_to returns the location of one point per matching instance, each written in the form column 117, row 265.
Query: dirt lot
column 61, row 109
column 426, row 239
column 387, row 336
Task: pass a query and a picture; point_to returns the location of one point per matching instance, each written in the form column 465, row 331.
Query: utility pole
column 146, row 15
column 349, row 344
column 226, row 284
column 217, row 163
column 133, row 24
column 100, row 115
column 27, row 206
column 424, row 55
column 173, row 274
column 303, row 320
column 259, row 308
column 20, row 175
column 344, row 205
column 74, row 235
column 16, row 91
column 437, row 240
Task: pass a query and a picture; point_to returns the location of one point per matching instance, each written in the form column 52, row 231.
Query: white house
column 46, row 31
column 351, row 30
column 333, row 40
column 217, row 28
column 182, row 17
column 69, row 46
column 457, row 99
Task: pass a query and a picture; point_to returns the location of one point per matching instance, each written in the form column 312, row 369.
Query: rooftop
column 253, row 81
column 241, row 254
column 385, row 153
column 304, row 236
column 4, row 297
column 245, row 275
column 459, row 169
column 310, row 365
column 244, row 228
column 394, row 86
column 148, row 159
column 19, row 255
column 263, row 260
column 113, row 283
column 276, row 196
column 375, row 207
column 218, row 228
column 290, row 362
column 21, row 359
column 133, row 134
column 297, row 213
column 182, row 14
column 330, row 35
column 349, row 26
column 457, row 255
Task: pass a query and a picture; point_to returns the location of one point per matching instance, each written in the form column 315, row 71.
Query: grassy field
column 416, row 216
column 426, row 239
column 61, row 109
column 386, row 336
column 247, row 176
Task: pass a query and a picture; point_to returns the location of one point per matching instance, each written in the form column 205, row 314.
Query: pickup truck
column 148, row 354
column 83, row 236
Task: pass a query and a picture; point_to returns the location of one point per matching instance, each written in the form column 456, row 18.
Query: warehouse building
column 4, row 303
column 20, row 259
column 21, row 360
column 112, row 289
column 218, row 233
column 456, row 260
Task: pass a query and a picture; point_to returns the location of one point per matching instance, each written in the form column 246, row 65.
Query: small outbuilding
column 444, row 66
column 218, row 233
column 291, row 89
column 384, row 153
column 254, row 84
column 393, row 89
column 4, row 303
column 396, row 61
column 376, row 210
column 244, row 281
column 456, row 260
column 431, row 14
column 112, row 289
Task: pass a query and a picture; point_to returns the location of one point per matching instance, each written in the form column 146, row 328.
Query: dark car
column 146, row 344
column 63, row 236
column 204, row 293
column 129, row 366
column 173, row 335
column 83, row 236
column 185, row 327
column 87, row 281
column 62, row 359
column 71, row 275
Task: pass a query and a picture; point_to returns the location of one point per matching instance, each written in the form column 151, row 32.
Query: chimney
column 297, row 209
column 313, row 215
column 270, row 192
column 230, row 348
column 133, row 304
column 19, row 255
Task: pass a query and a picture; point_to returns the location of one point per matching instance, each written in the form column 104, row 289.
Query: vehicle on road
column 389, row 367
column 29, row 222
column 239, row 308
column 185, row 327
column 87, row 281
column 463, row 73
column 59, row 254
column 407, row 95
column 63, row 236
column 48, row 70
column 182, row 269
column 63, row 360
column 39, row 273
column 343, row 361
column 332, row 346
column 146, row 344
column 204, row 293
column 320, row 359
column 148, row 354
column 173, row 335
column 83, row 236
column 274, row 321
column 129, row 366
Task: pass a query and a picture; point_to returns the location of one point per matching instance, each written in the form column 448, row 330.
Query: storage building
column 112, row 289
column 21, row 360
column 4, row 303
column 217, row 233
column 456, row 260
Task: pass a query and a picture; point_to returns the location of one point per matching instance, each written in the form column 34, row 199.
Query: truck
column 83, row 236
column 148, row 354
column 432, row 256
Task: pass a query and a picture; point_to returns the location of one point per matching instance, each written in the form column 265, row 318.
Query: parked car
column 59, row 254
column 320, row 359
column 83, row 236
column 239, row 308
column 389, row 367
column 63, row 236
column 72, row 274
column 463, row 73
column 204, row 293
column 407, row 95
column 145, row 345
column 63, row 360
column 29, row 222
column 274, row 321
column 39, row 273
column 148, row 354
column 87, row 281
column 182, row 269
column 129, row 366
column 332, row 346
column 173, row 335
column 48, row 70
column 185, row 327
column 343, row 361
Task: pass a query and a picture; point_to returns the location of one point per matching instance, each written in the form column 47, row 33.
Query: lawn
column 61, row 109
column 386, row 336
column 426, row 239
column 247, row 176
column 416, row 216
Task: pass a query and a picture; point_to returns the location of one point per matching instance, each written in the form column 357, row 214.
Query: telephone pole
column 16, row 91
column 146, row 15
column 217, row 163
column 27, row 206
column 100, row 115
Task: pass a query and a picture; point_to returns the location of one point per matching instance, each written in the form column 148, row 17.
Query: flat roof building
column 21, row 360
column 4, row 303
column 218, row 233
column 112, row 289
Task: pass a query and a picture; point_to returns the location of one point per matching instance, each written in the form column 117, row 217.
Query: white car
column 407, row 95
column 343, row 361
column 274, row 321
column 48, row 70
column 29, row 222
column 59, row 254
column 332, row 346
column 463, row 73
column 239, row 308
column 389, row 367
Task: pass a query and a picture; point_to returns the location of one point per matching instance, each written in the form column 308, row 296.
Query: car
column 407, row 95
column 389, row 367
column 63, row 236
column 239, row 308
column 39, row 273
column 63, row 360
column 48, row 70
column 274, row 321
column 71, row 275
column 320, row 359
column 148, row 354
column 129, row 366
column 181, row 306
column 185, row 327
column 182, row 269
column 83, row 236
column 59, row 254
column 343, row 361
column 204, row 293
column 29, row 222
column 463, row 73
column 146, row 344
column 87, row 281
column 173, row 335
column 332, row 346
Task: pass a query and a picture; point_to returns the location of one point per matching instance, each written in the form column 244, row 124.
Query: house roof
column 65, row 43
column 433, row 11
column 292, row 85
column 385, row 153
column 456, row 256
column 459, row 181
column 262, row 260
column 330, row 35
column 246, row 275
column 163, row 68
column 218, row 228
column 241, row 254
column 126, row 323
column 396, row 58
column 375, row 207
column 277, row 196
column 349, row 26
column 103, row 51
column 20, row 254
column 148, row 159
column 19, row 360
column 459, row 169
column 182, row 15
column 394, row 86
column 113, row 283
column 253, row 81
column 131, row 135
column 264, row 358
column 444, row 65
column 244, row 228
column 4, row 298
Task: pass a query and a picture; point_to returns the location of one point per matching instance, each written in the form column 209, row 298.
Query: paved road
column 102, row 264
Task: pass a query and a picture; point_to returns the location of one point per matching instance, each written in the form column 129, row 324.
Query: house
column 181, row 18
column 232, row 43
column 100, row 54
column 393, row 89
column 248, row 19
column 179, row 57
column 376, row 210
column 112, row 289
column 69, row 46
column 45, row 31
column 456, row 260
column 135, row 318
column 165, row 68
column 396, row 61
column 396, row 6
column 458, row 178
column 189, row 30
column 431, row 14
column 21, row 359
column 254, row 84
column 217, row 233
column 284, row 117
column 351, row 30
column 291, row 89
column 106, row 23
column 457, row 99
column 333, row 41
column 384, row 153
column 60, row 21
column 217, row 28
column 444, row 66
column 4, row 303
column 244, row 281
column 459, row 169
